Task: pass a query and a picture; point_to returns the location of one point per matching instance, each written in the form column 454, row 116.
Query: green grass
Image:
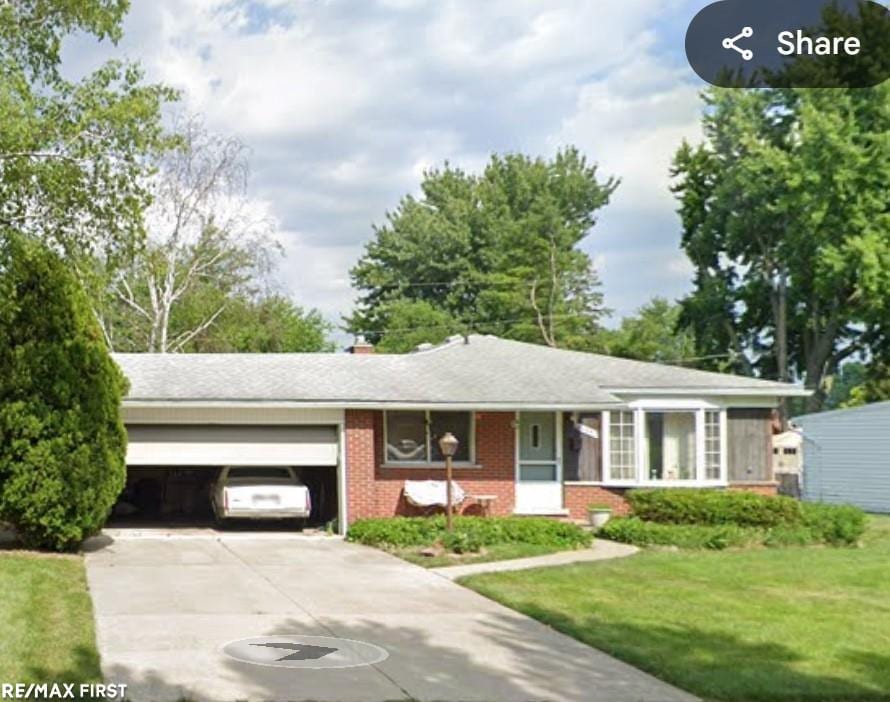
column 495, row 552
column 767, row 625
column 46, row 620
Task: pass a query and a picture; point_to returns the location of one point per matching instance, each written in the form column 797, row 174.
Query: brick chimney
column 361, row 346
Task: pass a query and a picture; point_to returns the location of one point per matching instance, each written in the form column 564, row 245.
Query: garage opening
column 173, row 471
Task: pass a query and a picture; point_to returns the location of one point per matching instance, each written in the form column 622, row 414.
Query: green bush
column 462, row 542
column 839, row 525
column 686, row 506
column 820, row 524
column 398, row 532
column 633, row 530
column 62, row 441
column 402, row 532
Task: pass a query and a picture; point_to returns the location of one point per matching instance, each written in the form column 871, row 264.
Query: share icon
column 729, row 43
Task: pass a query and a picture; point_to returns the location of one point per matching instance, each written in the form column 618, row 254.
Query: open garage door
column 221, row 445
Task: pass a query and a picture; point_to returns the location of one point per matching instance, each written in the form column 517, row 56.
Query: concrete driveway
column 165, row 608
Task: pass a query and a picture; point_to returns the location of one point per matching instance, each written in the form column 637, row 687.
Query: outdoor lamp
column 448, row 446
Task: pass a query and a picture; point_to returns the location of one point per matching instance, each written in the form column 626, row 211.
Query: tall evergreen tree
column 62, row 439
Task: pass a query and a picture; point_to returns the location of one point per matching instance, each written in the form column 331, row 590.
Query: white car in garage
column 260, row 492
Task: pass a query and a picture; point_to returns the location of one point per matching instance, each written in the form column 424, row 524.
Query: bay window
column 412, row 437
column 662, row 445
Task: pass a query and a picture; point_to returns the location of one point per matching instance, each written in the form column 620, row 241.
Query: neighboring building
column 846, row 456
column 787, row 452
column 545, row 431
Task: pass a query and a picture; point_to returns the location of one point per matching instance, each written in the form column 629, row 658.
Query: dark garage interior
column 170, row 496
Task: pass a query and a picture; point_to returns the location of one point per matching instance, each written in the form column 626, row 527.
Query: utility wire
column 472, row 324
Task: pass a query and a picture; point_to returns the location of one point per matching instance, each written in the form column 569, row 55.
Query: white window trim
column 429, row 462
column 639, row 408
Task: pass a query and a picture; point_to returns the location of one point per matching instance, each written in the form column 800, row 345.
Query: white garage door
column 243, row 445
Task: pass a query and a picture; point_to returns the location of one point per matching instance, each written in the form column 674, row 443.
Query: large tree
column 495, row 252
column 62, row 440
column 72, row 154
column 200, row 281
column 787, row 221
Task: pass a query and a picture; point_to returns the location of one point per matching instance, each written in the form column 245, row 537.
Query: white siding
column 846, row 457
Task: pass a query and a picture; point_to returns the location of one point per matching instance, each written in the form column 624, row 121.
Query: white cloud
column 344, row 104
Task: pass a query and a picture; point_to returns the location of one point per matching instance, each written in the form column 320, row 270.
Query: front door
column 539, row 465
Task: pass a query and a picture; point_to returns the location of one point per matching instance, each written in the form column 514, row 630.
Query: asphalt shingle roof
column 481, row 370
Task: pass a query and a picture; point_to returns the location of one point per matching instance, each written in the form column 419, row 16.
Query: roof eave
column 372, row 405
column 698, row 391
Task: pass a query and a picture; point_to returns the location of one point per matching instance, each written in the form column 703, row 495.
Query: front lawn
column 766, row 625
column 46, row 620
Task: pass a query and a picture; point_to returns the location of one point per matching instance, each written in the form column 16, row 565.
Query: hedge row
column 723, row 519
column 633, row 530
column 470, row 533
column 713, row 507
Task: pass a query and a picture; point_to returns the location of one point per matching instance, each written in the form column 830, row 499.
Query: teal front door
column 539, row 463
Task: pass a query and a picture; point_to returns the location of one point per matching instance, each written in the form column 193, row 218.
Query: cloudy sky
column 344, row 103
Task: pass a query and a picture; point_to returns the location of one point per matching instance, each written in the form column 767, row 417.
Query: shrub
column 462, row 542
column 839, row 525
column 683, row 506
column 62, row 441
column 633, row 530
column 398, row 532
column 402, row 532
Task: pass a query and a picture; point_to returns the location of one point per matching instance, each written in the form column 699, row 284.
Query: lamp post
column 448, row 446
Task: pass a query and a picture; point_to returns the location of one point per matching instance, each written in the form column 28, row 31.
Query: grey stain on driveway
column 304, row 652
column 165, row 608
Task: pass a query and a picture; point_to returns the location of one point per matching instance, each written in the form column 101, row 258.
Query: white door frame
column 557, row 486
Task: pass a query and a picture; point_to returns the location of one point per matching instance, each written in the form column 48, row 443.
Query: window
column 683, row 445
column 413, row 437
column 458, row 423
column 669, row 446
column 406, row 436
column 262, row 473
column 621, row 446
column 536, row 436
column 713, row 445
column 789, row 451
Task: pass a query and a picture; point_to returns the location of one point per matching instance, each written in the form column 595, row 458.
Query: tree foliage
column 265, row 324
column 785, row 217
column 198, row 283
column 653, row 334
column 495, row 252
column 72, row 153
column 62, row 440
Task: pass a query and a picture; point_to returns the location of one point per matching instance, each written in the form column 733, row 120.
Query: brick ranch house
column 543, row 431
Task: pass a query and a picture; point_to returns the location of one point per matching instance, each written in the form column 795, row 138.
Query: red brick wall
column 578, row 497
column 375, row 491
column 360, row 497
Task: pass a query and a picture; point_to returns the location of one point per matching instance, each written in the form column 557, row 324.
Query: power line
column 473, row 324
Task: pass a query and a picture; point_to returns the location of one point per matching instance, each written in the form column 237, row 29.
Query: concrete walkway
column 600, row 551
column 165, row 608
